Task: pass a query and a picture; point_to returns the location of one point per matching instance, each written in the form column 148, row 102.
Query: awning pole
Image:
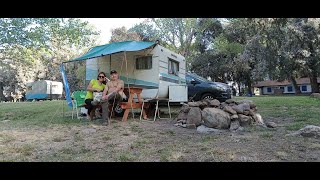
column 125, row 57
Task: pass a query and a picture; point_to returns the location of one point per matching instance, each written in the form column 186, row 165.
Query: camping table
column 131, row 104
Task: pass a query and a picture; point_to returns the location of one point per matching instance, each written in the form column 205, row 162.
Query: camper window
column 173, row 67
column 144, row 62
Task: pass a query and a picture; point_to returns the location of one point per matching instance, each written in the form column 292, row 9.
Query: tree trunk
column 295, row 85
column 314, row 83
column 248, row 84
column 239, row 88
column 313, row 67
column 2, row 97
column 249, row 88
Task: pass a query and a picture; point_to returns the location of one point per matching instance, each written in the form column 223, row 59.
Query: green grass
column 164, row 155
column 126, row 157
column 4, row 138
column 171, row 133
column 41, row 113
column 267, row 135
column 106, row 138
column 302, row 110
column 136, row 128
column 24, row 117
column 25, row 150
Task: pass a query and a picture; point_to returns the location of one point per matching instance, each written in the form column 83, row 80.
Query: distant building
column 284, row 87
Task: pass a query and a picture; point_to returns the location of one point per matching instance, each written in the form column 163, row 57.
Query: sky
column 106, row 24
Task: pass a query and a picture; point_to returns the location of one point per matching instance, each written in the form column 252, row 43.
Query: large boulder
column 250, row 102
column 251, row 112
column 245, row 120
column 308, row 131
column 244, row 106
column 229, row 101
column 228, row 109
column 234, row 117
column 215, row 118
column 206, row 102
column 214, row 103
column 194, row 116
column 182, row 116
column 246, row 112
column 241, row 107
column 270, row 124
column 194, row 104
column 237, row 109
column 223, row 104
column 185, row 108
column 234, row 125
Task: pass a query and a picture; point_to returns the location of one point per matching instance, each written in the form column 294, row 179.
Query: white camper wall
column 57, row 87
column 119, row 64
column 47, row 86
column 163, row 63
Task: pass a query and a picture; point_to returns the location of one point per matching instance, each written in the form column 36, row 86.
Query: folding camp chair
column 156, row 101
column 78, row 98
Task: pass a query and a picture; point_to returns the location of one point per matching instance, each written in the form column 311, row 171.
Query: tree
column 33, row 48
column 207, row 30
column 186, row 36
column 218, row 61
column 307, row 33
column 145, row 30
column 121, row 34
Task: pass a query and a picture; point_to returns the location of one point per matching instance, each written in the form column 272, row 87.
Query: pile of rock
column 213, row 114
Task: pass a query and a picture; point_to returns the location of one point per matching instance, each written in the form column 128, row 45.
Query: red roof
column 283, row 83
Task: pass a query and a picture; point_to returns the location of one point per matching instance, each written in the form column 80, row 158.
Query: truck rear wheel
column 207, row 96
column 118, row 111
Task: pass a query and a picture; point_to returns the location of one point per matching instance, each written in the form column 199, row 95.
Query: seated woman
column 95, row 85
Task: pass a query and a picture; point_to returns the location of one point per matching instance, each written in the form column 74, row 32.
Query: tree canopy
column 33, row 48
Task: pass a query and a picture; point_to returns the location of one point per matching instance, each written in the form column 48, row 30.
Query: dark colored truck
column 200, row 88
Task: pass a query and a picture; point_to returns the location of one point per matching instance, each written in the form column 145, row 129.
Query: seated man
column 113, row 93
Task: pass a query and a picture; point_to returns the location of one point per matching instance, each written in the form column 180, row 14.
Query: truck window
column 188, row 79
column 144, row 62
column 173, row 67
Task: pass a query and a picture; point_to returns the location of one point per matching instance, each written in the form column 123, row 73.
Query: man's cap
column 113, row 71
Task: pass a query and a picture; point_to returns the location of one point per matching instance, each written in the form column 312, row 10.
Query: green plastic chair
column 78, row 98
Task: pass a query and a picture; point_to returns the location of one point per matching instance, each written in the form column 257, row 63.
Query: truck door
column 192, row 88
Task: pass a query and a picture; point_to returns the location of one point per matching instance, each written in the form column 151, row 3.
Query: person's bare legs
column 105, row 111
column 92, row 113
column 116, row 98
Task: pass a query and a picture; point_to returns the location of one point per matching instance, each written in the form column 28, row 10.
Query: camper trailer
column 44, row 89
column 141, row 64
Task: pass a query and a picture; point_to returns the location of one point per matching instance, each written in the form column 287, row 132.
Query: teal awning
column 112, row 48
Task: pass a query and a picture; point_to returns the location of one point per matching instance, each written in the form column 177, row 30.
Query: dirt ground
column 150, row 141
